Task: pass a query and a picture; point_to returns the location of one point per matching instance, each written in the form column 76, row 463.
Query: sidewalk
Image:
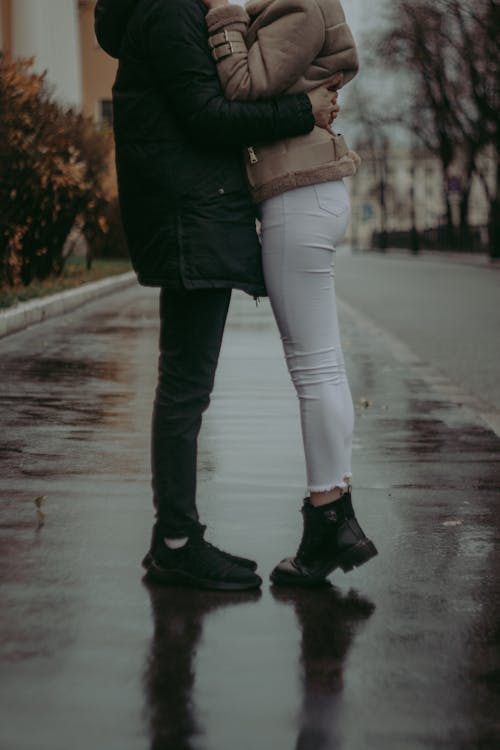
column 401, row 654
column 26, row 314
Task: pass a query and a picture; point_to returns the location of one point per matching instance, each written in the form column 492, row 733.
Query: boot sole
column 181, row 578
column 248, row 564
column 353, row 557
column 357, row 555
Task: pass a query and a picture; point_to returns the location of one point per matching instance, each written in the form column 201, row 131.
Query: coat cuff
column 304, row 112
column 356, row 158
column 224, row 15
column 225, row 49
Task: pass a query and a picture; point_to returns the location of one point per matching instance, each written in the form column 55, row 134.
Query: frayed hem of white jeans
column 343, row 485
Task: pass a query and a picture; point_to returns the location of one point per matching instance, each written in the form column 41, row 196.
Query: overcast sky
column 386, row 89
column 363, row 15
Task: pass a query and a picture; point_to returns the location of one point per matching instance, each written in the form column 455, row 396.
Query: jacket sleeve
column 288, row 40
column 289, row 37
column 175, row 41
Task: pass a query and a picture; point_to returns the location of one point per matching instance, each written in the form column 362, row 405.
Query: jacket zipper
column 252, row 155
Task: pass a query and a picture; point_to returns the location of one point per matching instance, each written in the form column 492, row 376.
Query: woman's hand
column 335, row 108
column 324, row 105
column 215, row 3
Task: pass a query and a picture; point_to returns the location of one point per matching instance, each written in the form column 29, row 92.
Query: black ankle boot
column 332, row 538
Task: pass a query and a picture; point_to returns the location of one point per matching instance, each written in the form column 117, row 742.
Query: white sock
column 175, row 543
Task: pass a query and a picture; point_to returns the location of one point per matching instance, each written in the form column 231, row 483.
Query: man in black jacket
column 190, row 228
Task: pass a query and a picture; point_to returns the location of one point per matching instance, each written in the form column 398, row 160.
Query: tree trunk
column 451, row 239
column 464, row 239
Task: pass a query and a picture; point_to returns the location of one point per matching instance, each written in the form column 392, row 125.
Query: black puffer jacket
column 184, row 201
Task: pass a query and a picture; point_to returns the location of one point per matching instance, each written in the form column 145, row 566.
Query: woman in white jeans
column 285, row 46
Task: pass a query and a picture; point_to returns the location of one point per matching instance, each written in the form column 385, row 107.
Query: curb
column 27, row 314
column 481, row 260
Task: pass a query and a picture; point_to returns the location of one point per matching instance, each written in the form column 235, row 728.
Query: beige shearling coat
column 272, row 47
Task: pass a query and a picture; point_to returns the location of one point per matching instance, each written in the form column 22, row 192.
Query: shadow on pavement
column 178, row 616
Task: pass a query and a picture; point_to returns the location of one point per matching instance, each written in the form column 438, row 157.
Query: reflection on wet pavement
column 169, row 679
column 327, row 621
column 402, row 654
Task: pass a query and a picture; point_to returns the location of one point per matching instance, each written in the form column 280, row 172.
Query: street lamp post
column 414, row 238
column 382, row 198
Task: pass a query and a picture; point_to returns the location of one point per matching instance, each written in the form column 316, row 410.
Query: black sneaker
column 332, row 539
column 243, row 561
column 201, row 565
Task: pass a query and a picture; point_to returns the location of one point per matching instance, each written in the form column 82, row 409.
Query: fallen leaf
column 39, row 512
column 39, row 500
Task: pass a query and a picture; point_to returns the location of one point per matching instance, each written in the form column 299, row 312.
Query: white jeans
column 300, row 229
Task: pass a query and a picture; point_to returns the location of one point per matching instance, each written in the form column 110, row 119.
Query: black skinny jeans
column 192, row 326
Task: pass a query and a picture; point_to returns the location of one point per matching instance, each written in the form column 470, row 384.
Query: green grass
column 74, row 275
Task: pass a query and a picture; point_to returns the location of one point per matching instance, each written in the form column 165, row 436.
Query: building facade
column 402, row 187
column 59, row 35
column 98, row 70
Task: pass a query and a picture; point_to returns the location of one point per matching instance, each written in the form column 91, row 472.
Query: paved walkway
column 402, row 654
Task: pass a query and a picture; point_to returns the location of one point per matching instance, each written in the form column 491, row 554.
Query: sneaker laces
column 213, row 557
column 227, row 555
column 233, row 559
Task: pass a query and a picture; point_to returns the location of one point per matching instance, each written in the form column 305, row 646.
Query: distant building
column 59, row 34
column 98, row 69
column 411, row 185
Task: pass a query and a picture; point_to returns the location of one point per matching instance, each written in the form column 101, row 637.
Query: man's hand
column 324, row 105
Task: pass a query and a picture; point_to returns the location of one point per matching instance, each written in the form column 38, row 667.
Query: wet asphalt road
column 448, row 313
column 402, row 654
